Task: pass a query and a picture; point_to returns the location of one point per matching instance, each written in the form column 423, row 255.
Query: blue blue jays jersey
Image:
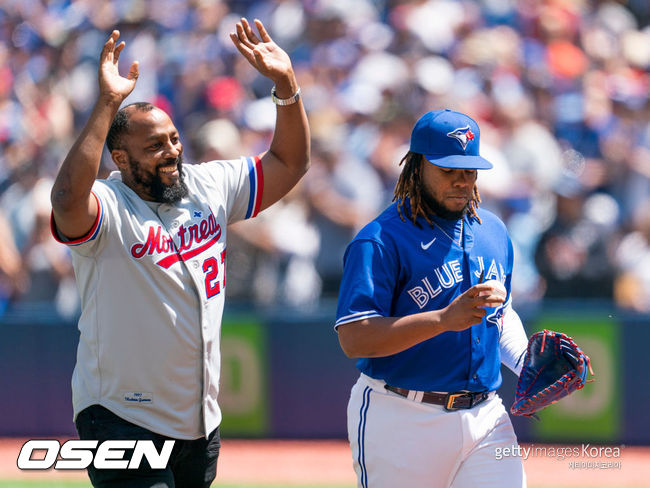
column 393, row 268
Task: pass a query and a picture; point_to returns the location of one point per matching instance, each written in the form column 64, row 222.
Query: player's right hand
column 469, row 308
column 111, row 85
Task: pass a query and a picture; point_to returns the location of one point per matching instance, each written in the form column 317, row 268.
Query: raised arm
column 73, row 207
column 384, row 336
column 288, row 157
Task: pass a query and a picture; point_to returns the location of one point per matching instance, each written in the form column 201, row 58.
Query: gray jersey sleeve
column 91, row 242
column 239, row 181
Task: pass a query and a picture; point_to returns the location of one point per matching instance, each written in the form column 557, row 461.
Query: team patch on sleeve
column 90, row 235
column 256, row 179
column 357, row 316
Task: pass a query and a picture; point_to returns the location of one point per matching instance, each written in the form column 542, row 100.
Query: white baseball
column 497, row 289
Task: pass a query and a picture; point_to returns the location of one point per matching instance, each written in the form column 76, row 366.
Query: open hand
column 261, row 52
column 111, row 84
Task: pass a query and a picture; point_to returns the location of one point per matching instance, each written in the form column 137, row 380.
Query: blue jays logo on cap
column 463, row 135
column 448, row 139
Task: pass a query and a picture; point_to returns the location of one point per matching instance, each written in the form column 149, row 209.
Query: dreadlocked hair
column 410, row 185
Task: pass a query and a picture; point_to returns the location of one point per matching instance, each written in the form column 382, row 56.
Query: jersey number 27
column 211, row 270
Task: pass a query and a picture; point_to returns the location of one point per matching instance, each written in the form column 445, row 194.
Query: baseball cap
column 448, row 139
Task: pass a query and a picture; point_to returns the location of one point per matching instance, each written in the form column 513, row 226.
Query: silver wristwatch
column 285, row 101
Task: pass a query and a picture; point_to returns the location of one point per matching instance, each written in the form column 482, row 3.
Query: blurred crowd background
column 560, row 89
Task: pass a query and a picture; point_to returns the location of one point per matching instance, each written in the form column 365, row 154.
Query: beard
column 439, row 209
column 152, row 184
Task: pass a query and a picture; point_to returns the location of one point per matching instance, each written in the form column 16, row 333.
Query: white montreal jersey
column 394, row 269
column 151, row 278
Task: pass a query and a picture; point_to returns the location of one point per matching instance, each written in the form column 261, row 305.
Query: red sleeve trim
column 89, row 236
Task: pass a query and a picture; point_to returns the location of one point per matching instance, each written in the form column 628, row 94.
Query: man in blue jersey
column 425, row 306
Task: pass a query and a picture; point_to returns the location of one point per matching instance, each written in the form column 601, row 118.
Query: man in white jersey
column 149, row 252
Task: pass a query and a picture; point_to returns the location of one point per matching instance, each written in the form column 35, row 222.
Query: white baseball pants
column 400, row 442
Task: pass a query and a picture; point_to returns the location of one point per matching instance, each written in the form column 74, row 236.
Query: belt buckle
column 451, row 398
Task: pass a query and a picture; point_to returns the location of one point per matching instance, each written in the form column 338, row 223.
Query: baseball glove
column 554, row 366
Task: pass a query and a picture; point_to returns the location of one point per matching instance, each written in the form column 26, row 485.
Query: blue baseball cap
column 448, row 139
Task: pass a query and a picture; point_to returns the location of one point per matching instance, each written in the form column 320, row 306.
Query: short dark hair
column 120, row 124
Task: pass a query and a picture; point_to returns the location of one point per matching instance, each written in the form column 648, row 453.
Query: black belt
column 451, row 401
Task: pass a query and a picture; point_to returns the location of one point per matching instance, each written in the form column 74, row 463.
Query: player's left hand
column 261, row 52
